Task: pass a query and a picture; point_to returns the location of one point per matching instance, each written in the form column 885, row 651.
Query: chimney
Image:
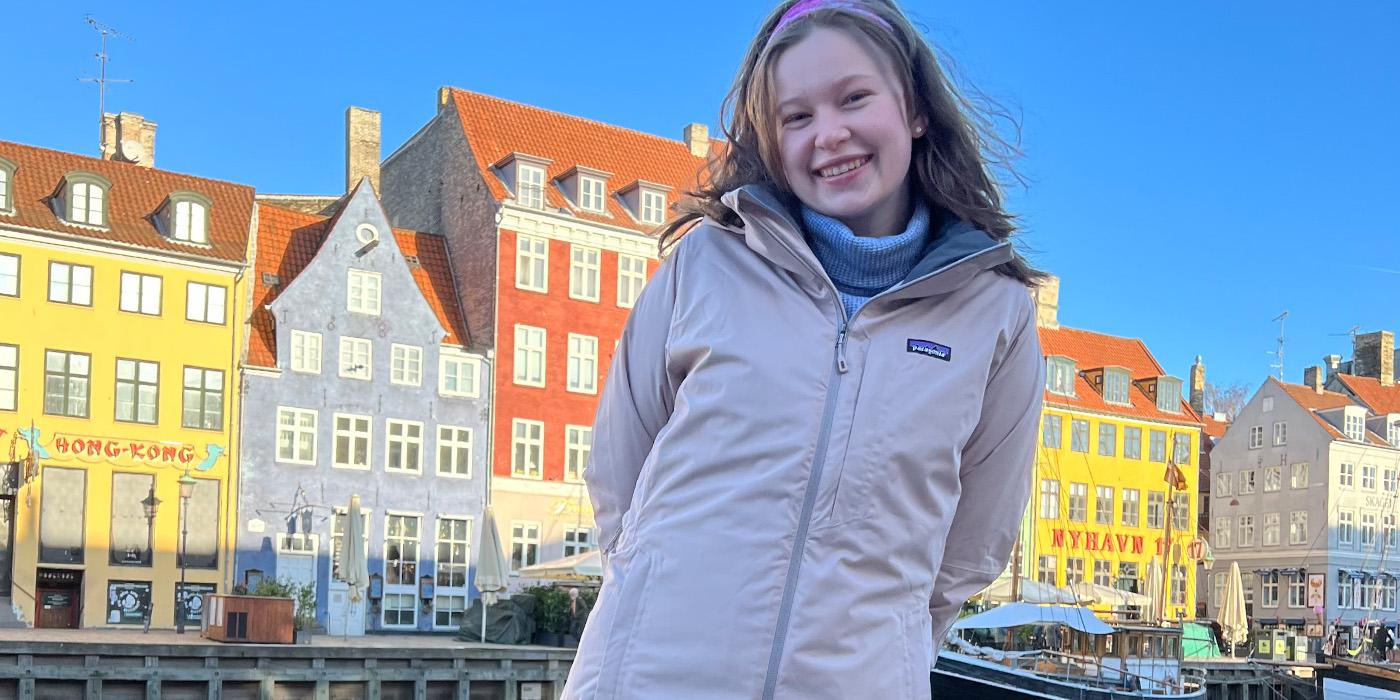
column 129, row 138
column 361, row 147
column 1373, row 355
column 1198, row 387
column 697, row 139
column 1331, row 362
column 1312, row 378
column 1047, row 302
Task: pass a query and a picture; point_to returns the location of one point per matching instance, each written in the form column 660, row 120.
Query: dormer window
column 7, row 180
column 85, row 199
column 590, row 194
column 1059, row 375
column 1115, row 385
column 653, row 207
column 1169, row 394
column 529, row 186
column 1354, row 423
column 1392, row 430
column 186, row 217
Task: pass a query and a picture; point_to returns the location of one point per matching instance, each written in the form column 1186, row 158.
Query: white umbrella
column 490, row 565
column 1153, row 612
column 1030, row 592
column 1234, row 623
column 1090, row 591
column 588, row 565
column 354, row 567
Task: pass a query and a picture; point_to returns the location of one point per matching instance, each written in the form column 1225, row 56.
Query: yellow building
column 121, row 289
column 1098, row 512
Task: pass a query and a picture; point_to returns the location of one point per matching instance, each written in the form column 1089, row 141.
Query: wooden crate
column 247, row 619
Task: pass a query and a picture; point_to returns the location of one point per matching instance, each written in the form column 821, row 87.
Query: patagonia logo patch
column 928, row 347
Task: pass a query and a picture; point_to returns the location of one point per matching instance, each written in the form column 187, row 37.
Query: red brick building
column 548, row 221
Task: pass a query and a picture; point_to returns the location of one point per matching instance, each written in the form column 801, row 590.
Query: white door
column 296, row 557
column 342, row 616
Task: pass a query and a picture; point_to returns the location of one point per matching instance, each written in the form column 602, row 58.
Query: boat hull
column 960, row 677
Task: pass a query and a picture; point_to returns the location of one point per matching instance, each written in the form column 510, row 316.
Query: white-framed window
column 1045, row 569
column 1246, row 530
column 1181, row 449
column 138, row 389
column 1169, row 394
column 1248, row 579
column 583, row 364
column 1223, row 529
column 1298, row 527
column 306, row 352
column 1272, row 534
column 1156, row 509
column 578, row 540
column 353, row 437
column 1074, row 570
column 1218, row 590
column 1270, row 590
column 1297, row 590
column 338, row 538
column 1368, row 530
column 191, row 221
column 454, row 451
column 1132, row 442
column 1103, row 505
column 527, row 449
column 1300, row 475
column 653, row 207
column 1049, row 499
column 1256, row 437
column 1388, row 531
column 403, row 446
column 406, row 364
column 1248, row 481
column 591, row 194
column 529, row 186
column 524, row 544
column 1280, row 433
column 1103, row 572
column 454, row 551
column 1108, row 439
column 204, row 399
column 1115, row 386
column 1355, row 424
column 631, row 277
column 1157, row 445
column 1344, row 583
column 87, row 203
column 1387, row 593
column 1346, row 474
column 205, row 303
column 9, row 377
column 140, row 294
column 1268, row 404
column 458, row 376
column 1273, row 478
column 296, row 435
column 1078, row 502
column 356, row 358
column 1132, row 507
column 1392, row 427
column 1368, row 477
column 529, row 355
column 7, row 177
column 1051, row 430
column 364, row 292
column 1389, row 479
column 531, row 263
column 584, row 263
column 448, row 610
column 578, row 445
column 9, row 275
column 67, row 377
column 70, row 284
column 1078, row 435
column 1223, row 480
column 1059, row 375
column 1346, row 527
column 298, row 543
column 401, row 540
column 1181, row 510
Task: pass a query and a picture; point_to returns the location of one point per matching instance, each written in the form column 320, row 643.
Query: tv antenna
column 1278, row 354
column 102, row 78
column 1352, row 332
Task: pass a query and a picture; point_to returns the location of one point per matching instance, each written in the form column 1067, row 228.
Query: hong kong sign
column 90, row 448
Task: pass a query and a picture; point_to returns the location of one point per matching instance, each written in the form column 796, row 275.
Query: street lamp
column 186, row 490
column 149, row 505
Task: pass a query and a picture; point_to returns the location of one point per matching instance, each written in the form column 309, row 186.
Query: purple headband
column 807, row 7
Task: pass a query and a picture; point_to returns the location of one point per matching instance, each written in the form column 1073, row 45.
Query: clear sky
column 1193, row 167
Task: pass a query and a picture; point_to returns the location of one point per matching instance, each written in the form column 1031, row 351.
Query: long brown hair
column 952, row 160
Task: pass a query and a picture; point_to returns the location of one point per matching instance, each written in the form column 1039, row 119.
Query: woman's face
column 843, row 136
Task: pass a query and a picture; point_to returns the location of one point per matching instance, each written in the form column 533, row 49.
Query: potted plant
column 303, row 596
column 551, row 615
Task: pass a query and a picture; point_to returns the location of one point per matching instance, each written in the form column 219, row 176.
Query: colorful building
column 121, row 291
column 1113, row 419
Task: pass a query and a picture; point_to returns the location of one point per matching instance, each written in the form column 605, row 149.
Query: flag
column 1175, row 476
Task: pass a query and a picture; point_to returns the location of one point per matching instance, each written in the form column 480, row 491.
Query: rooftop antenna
column 1278, row 354
column 102, row 78
column 1352, row 332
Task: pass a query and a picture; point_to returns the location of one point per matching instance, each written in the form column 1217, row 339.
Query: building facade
column 1099, row 510
column 359, row 381
column 547, row 217
column 103, row 265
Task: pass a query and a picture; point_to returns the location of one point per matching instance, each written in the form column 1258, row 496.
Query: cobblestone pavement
column 114, row 636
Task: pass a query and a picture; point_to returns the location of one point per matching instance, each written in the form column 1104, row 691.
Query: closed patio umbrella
column 354, row 566
column 490, row 565
column 1234, row 623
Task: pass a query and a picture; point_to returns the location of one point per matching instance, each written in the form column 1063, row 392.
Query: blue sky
column 1194, row 168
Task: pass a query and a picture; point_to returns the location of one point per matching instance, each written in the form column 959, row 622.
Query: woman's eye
column 794, row 118
column 856, row 97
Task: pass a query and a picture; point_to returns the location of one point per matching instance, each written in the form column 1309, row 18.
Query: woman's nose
column 831, row 133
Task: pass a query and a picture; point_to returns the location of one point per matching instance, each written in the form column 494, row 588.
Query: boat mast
column 1167, row 542
column 1016, row 571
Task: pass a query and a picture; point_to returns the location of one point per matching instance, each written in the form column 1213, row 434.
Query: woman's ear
column 918, row 126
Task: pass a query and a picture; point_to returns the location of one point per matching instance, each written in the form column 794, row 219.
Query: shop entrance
column 58, row 595
column 9, row 484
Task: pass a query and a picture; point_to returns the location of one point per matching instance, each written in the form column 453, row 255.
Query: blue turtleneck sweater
column 863, row 266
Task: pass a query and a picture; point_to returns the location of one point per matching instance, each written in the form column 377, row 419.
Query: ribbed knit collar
column 866, row 265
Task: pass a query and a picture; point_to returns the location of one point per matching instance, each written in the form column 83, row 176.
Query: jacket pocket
column 918, row 652
column 629, row 571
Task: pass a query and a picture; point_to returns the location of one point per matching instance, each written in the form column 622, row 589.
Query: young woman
column 815, row 440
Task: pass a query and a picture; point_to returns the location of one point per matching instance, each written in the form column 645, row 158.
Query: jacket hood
column 956, row 252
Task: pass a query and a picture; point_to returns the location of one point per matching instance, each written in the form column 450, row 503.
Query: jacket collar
column 957, row 250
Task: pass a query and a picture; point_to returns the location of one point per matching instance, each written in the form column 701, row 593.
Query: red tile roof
column 495, row 128
column 136, row 194
column 1380, row 399
column 1091, row 350
column 1215, row 428
column 1306, row 397
column 288, row 240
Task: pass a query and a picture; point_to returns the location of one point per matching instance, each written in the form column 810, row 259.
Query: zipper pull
column 841, row 350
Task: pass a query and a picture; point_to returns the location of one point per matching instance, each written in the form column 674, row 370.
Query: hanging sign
column 125, row 452
column 1317, row 591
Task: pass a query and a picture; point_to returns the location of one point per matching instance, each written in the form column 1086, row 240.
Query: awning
column 588, row 565
column 1016, row 614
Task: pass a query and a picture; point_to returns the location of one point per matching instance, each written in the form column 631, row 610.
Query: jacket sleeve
column 638, row 395
column 995, row 474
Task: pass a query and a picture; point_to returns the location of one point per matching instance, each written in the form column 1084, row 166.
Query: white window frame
column 1131, row 505
column 592, row 194
column 531, row 262
column 651, row 207
column 1078, row 511
column 71, row 289
column 1346, row 528
column 351, row 350
column 9, row 275
column 295, row 431
column 1355, row 425
column 1367, row 530
column 409, row 588
column 1049, row 499
column 529, row 443
column 529, row 185
column 1297, row 590
column 1272, row 530
column 578, row 447
column 1256, row 437
column 1156, row 510
column 87, row 203
column 1368, row 477
column 1280, row 433
column 1246, row 538
column 1223, row 481
column 441, row 591
column 585, row 272
column 1115, row 387
column 1298, row 477
column 405, row 364
column 1224, row 528
column 529, row 355
column 1298, row 527
column 201, row 305
column 140, row 293
column 464, row 369
column 1103, row 495
column 578, row 540
column 529, row 535
column 1346, row 474
column 306, row 352
column 364, row 292
column 1248, row 482
column 631, row 278
column 191, row 221
column 1390, row 480
column 1273, row 478
column 351, row 434
column 9, row 377
column 1270, row 590
column 457, row 439
column 582, row 364
column 1059, row 375
column 404, row 441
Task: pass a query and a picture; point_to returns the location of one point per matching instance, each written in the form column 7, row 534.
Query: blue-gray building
column 359, row 379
